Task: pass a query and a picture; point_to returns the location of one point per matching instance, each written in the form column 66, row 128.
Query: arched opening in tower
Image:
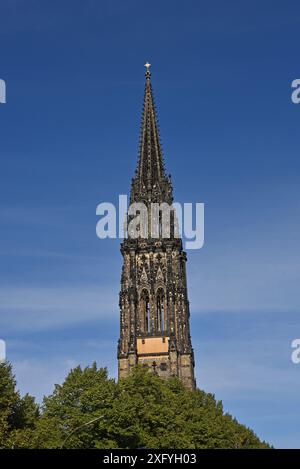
column 160, row 310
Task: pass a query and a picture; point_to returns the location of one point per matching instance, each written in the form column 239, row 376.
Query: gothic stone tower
column 154, row 307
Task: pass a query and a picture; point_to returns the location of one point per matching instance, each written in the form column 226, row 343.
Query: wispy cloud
column 39, row 308
column 248, row 369
column 244, row 281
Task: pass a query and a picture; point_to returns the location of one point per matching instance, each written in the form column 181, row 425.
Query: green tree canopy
column 140, row 411
column 18, row 416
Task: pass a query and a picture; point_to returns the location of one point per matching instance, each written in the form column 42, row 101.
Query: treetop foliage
column 90, row 410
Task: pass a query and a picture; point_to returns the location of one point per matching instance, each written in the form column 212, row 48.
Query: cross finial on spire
column 148, row 73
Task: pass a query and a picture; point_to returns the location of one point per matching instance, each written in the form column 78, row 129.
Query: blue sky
column 69, row 132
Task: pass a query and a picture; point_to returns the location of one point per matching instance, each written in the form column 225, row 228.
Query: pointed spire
column 151, row 166
column 150, row 176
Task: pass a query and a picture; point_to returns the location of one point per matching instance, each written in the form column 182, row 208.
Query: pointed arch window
column 160, row 224
column 160, row 310
column 145, row 303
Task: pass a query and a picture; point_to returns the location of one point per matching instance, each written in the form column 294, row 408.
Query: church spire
column 154, row 307
column 150, row 183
